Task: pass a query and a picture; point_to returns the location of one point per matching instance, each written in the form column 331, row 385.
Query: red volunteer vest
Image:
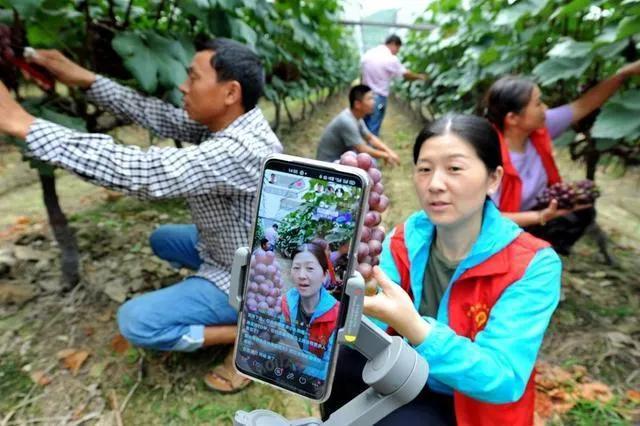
column 320, row 329
column 471, row 299
column 511, row 186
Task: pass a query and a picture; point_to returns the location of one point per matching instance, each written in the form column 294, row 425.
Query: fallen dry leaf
column 579, row 371
column 73, row 359
column 633, row 395
column 41, row 378
column 66, row 352
column 88, row 331
column 22, row 220
column 562, row 375
column 559, row 395
column 551, row 376
column 562, row 400
column 543, row 406
column 111, row 196
column 539, row 421
column 119, row 344
column 595, row 391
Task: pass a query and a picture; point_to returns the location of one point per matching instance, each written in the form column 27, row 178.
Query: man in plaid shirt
column 218, row 175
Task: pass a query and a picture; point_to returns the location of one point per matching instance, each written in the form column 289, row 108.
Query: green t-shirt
column 436, row 279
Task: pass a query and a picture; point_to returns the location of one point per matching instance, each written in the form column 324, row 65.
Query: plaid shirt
column 218, row 175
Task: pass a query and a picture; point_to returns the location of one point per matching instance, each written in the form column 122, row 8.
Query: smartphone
column 308, row 220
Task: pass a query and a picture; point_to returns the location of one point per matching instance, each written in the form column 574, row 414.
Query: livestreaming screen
column 300, row 253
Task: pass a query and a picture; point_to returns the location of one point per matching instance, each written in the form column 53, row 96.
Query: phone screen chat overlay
column 306, row 222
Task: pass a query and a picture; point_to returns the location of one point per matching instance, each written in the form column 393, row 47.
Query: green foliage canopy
column 565, row 45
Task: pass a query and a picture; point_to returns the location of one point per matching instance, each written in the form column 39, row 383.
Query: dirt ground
column 101, row 380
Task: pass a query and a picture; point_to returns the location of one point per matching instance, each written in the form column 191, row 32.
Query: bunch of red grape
column 569, row 194
column 373, row 234
column 264, row 293
column 6, row 51
column 8, row 73
column 12, row 58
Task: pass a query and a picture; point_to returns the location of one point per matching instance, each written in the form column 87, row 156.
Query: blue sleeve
column 496, row 366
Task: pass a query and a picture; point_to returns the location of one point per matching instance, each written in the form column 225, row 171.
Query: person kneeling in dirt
column 527, row 130
column 347, row 131
column 218, row 175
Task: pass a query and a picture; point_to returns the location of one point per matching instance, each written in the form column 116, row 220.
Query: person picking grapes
column 347, row 131
column 218, row 175
column 467, row 288
column 380, row 65
column 526, row 129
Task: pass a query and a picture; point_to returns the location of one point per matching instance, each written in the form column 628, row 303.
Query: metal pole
column 423, row 27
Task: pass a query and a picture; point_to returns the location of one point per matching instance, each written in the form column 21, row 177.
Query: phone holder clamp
column 394, row 371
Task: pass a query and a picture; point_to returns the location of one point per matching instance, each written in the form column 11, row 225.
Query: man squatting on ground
column 347, row 131
column 218, row 176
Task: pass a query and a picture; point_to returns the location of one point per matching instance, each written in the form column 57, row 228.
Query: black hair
column 508, row 94
column 263, row 240
column 317, row 251
column 274, row 226
column 393, row 39
column 476, row 131
column 235, row 61
column 357, row 93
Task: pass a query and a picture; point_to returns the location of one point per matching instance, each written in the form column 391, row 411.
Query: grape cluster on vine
column 372, row 236
column 8, row 72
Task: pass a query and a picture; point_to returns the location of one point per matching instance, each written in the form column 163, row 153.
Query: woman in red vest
column 465, row 286
column 309, row 308
column 526, row 129
column 309, row 319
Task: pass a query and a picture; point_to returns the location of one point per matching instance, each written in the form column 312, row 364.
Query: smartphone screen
column 307, row 225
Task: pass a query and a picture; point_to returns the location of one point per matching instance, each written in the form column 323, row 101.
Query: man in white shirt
column 379, row 66
column 271, row 234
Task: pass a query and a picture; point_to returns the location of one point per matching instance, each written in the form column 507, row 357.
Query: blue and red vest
column 511, row 185
column 320, row 328
column 472, row 296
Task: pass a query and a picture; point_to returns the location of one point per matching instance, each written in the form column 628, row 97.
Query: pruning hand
column 630, row 70
column 64, row 69
column 14, row 120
